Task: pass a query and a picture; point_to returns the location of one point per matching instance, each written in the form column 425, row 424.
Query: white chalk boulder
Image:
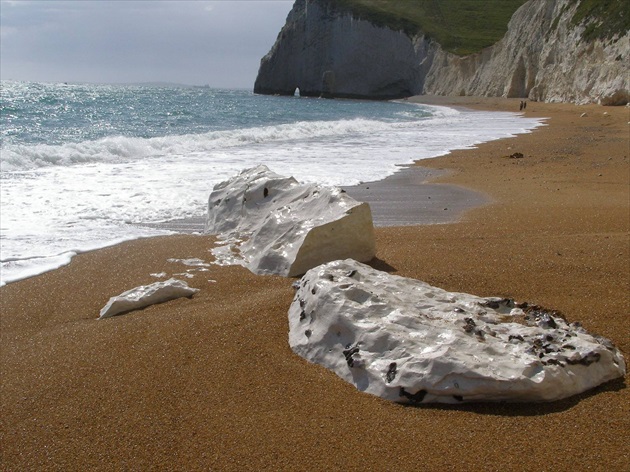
column 274, row 225
column 406, row 341
column 146, row 295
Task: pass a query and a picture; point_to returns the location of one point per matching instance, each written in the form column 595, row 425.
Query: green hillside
column 603, row 18
column 460, row 26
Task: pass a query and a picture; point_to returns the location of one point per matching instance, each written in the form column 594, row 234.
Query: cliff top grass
column 603, row 19
column 460, row 26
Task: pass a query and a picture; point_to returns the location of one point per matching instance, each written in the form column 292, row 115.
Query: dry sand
column 209, row 383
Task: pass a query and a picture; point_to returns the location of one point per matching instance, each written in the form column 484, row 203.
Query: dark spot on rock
column 351, row 273
column 546, row 321
column 549, row 337
column 494, row 304
column 516, row 336
column 588, row 359
column 348, row 353
column 521, row 305
column 265, row 192
column 458, row 310
column 308, row 333
column 459, row 398
column 480, row 334
column 302, row 315
column 569, row 347
column 391, row 372
column 314, row 291
column 469, row 327
column 413, row 398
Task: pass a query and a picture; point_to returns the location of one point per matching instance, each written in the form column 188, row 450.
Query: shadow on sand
column 527, row 409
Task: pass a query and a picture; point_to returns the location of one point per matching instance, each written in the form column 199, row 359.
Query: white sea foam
column 63, row 199
column 121, row 149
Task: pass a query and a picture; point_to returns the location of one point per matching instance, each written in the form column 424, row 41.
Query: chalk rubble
column 406, row 341
column 146, row 295
column 274, row 225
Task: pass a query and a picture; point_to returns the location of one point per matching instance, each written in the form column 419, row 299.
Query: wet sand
column 209, row 383
column 402, row 199
column 409, row 198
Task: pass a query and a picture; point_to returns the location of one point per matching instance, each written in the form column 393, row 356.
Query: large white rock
column 146, row 295
column 406, row 341
column 274, row 225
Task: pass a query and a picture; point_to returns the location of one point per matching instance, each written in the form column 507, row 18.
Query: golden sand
column 209, row 383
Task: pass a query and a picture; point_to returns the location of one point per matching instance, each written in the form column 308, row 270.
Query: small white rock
column 193, row 262
column 146, row 295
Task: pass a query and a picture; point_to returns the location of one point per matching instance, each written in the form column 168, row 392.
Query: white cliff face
column 542, row 57
column 274, row 225
column 409, row 342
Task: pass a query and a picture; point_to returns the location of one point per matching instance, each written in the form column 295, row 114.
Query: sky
column 196, row 42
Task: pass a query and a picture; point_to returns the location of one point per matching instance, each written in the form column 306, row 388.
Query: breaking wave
column 120, row 149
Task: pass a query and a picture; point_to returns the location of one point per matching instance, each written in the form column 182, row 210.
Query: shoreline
column 210, row 382
column 406, row 198
column 394, row 198
column 394, row 204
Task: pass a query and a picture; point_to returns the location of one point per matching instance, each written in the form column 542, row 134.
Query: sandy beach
column 210, row 383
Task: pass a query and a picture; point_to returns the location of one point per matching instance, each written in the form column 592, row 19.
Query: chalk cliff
column 325, row 50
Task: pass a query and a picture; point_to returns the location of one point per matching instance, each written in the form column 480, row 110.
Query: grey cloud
column 219, row 43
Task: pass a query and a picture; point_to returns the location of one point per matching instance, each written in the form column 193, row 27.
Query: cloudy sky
column 219, row 43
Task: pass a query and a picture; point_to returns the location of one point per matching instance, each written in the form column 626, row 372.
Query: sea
column 85, row 166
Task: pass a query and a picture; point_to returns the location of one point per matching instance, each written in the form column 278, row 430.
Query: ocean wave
column 120, row 149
